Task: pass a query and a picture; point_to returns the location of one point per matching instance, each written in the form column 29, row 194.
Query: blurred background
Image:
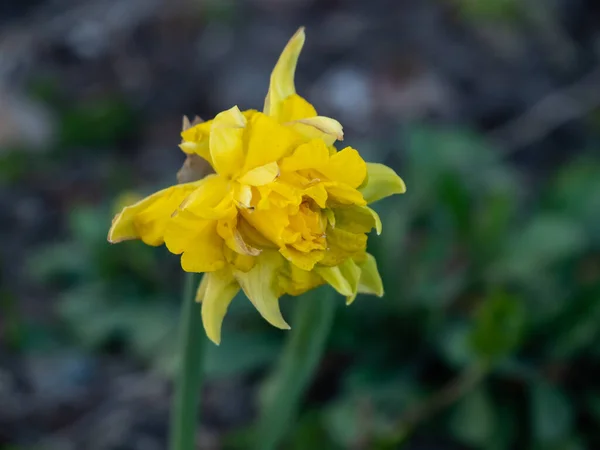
column 489, row 110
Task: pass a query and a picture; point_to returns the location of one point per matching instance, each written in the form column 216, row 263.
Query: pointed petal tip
column 300, row 33
column 111, row 232
column 402, row 186
column 213, row 336
column 279, row 323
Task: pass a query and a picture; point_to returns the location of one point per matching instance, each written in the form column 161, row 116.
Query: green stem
column 184, row 415
column 310, row 328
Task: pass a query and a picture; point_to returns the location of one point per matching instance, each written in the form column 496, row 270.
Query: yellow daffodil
column 284, row 212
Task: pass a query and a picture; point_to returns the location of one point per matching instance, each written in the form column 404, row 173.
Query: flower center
column 306, row 229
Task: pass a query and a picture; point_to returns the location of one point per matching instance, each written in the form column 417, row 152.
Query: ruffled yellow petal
column 195, row 138
column 147, row 219
column 253, row 236
column 318, row 193
column 212, row 200
column 282, row 77
column 270, row 223
column 202, row 250
column 261, row 287
column 260, row 176
column 343, row 244
column 268, row 141
column 185, row 228
column 346, row 166
column 242, row 195
column 227, row 229
column 220, row 288
column 339, row 193
column 311, row 155
column 196, row 133
column 294, row 108
column 381, row 182
column 198, row 240
column 304, row 260
column 226, row 142
column 240, row 262
column 324, row 128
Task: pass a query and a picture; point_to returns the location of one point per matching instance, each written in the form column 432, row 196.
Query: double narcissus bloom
column 284, row 212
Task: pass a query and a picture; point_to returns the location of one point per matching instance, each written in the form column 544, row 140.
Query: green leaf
column 473, row 420
column 369, row 406
column 552, row 415
column 457, row 199
column 298, row 362
column 498, row 327
column 546, row 240
column 491, row 227
column 240, row 353
column 308, row 431
column 455, row 343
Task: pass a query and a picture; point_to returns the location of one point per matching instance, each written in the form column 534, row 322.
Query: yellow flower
column 284, row 212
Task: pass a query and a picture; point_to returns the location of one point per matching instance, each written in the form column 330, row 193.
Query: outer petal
column 381, row 182
column 204, row 253
column 370, row 280
column 346, row 166
column 198, row 240
column 320, row 127
column 282, row 77
column 220, row 288
column 344, row 278
column 357, row 219
column 212, row 200
column 260, row 286
column 226, row 141
column 148, row 218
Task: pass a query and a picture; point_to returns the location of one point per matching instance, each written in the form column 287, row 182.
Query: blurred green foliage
column 490, row 10
column 481, row 270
